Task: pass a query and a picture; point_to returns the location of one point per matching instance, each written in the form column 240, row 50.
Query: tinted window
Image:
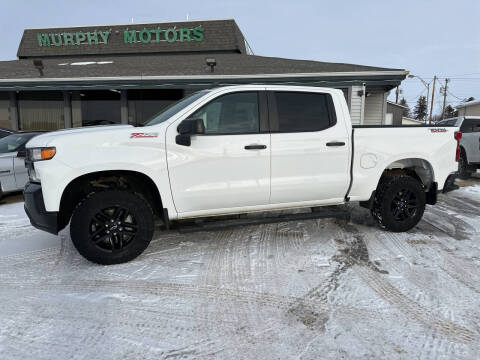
column 14, row 142
column 470, row 125
column 303, row 111
column 230, row 114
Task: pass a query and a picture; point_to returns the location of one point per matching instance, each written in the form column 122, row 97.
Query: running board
column 208, row 224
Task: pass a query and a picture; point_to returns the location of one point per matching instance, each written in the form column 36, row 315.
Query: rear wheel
column 112, row 227
column 464, row 171
column 399, row 202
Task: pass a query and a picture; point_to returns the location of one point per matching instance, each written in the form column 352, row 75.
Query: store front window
column 40, row 110
column 4, row 110
column 143, row 104
column 100, row 107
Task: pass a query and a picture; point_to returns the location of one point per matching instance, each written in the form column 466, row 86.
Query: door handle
column 336, row 143
column 255, row 147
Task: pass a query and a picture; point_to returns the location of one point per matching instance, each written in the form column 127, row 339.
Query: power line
column 416, row 97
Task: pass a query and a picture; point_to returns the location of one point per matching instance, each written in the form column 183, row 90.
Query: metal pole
column 433, row 96
column 428, row 96
column 444, row 97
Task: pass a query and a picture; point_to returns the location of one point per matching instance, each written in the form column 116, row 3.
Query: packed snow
column 311, row 289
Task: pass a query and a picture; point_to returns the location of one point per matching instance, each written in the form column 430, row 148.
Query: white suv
column 469, row 160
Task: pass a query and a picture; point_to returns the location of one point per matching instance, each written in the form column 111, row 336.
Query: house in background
column 80, row 76
column 394, row 114
column 471, row 108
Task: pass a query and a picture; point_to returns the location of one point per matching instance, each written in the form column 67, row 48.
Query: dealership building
column 79, row 76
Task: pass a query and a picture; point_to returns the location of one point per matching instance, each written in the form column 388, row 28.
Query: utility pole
column 433, row 96
column 444, row 97
column 396, row 95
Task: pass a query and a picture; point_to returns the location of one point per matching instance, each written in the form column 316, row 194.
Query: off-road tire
column 389, row 192
column 95, row 212
column 464, row 171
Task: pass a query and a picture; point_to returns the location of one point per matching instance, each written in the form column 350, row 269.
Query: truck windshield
column 171, row 110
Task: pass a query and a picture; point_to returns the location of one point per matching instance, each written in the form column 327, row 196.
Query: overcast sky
column 425, row 37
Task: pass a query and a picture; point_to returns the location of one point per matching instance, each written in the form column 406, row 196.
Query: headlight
column 39, row 154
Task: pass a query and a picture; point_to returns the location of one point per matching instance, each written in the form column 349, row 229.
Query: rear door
column 310, row 148
column 228, row 166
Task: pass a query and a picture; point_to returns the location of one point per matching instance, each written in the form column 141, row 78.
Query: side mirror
column 187, row 128
column 22, row 153
column 191, row 127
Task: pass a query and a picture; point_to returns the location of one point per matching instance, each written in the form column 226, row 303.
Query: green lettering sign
column 104, row 35
column 80, row 37
column 157, row 33
column 171, row 35
column 145, row 36
column 68, row 39
column 43, row 40
column 92, row 38
column 198, row 33
column 185, row 35
column 130, row 36
column 56, row 39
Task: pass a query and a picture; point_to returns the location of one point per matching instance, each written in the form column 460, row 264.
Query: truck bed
column 377, row 147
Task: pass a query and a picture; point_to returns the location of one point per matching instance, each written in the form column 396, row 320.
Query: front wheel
column 112, row 227
column 399, row 202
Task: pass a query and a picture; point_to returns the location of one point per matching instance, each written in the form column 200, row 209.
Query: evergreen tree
column 406, row 112
column 420, row 110
column 450, row 112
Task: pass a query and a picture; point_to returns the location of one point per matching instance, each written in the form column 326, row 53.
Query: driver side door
column 228, row 167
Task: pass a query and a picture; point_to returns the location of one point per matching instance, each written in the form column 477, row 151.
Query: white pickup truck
column 231, row 150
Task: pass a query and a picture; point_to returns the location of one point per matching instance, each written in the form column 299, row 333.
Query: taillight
column 457, row 135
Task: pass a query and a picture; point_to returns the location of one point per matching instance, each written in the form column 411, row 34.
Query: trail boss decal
column 438, row 130
column 143, row 135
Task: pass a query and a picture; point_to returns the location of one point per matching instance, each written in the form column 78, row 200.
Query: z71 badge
column 143, row 135
column 438, row 130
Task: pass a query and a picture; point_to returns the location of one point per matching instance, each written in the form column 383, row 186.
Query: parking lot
column 311, row 289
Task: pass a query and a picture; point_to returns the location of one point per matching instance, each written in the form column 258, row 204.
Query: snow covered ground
column 314, row 289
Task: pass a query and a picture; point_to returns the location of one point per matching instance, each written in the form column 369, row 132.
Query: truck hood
column 46, row 139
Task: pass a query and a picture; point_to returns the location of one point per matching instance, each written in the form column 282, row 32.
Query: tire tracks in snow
column 357, row 257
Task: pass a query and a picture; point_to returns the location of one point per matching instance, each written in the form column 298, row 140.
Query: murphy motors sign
column 195, row 36
column 145, row 36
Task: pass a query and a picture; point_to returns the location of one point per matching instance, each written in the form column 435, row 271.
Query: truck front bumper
column 35, row 209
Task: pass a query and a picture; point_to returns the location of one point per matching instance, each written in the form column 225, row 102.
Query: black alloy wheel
column 399, row 202
column 112, row 226
column 113, row 229
column 404, row 205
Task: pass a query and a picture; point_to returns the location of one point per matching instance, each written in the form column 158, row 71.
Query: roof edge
column 126, row 24
column 213, row 77
column 467, row 104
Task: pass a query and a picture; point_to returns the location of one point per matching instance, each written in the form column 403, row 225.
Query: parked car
column 5, row 132
column 226, row 151
column 13, row 174
column 469, row 160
